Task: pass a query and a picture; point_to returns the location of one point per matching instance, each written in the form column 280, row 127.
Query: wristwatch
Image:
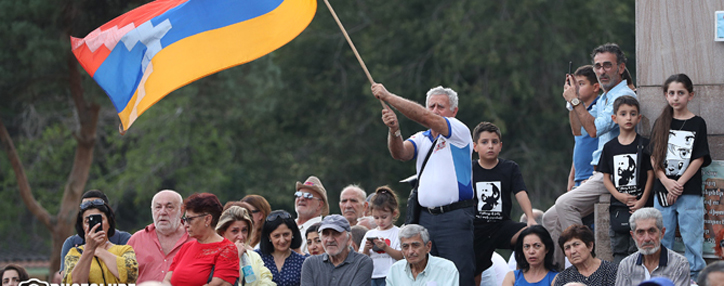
column 398, row 133
column 575, row 102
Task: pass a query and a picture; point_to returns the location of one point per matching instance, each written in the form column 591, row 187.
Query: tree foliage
column 305, row 109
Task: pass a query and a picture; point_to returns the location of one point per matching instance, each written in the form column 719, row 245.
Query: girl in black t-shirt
column 679, row 149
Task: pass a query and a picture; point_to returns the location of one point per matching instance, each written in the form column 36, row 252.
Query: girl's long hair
column 660, row 132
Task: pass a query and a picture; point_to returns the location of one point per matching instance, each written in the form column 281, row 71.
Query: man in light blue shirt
column 609, row 64
column 419, row 266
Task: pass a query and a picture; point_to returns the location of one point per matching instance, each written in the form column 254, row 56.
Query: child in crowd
column 382, row 244
column 588, row 89
column 627, row 174
column 679, row 149
column 494, row 180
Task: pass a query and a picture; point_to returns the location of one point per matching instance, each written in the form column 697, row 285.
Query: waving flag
column 143, row 55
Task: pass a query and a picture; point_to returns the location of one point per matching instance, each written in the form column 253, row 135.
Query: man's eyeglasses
column 94, row 202
column 276, row 215
column 188, row 219
column 305, row 195
column 606, row 66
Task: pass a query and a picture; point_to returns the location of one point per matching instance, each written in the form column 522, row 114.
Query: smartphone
column 95, row 219
column 371, row 238
column 570, row 66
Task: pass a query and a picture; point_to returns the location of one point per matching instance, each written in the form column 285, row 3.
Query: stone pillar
column 602, row 225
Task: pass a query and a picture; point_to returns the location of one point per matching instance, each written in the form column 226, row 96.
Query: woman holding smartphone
column 99, row 261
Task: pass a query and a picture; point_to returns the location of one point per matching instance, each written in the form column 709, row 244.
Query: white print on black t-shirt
column 681, row 143
column 490, row 202
column 625, row 173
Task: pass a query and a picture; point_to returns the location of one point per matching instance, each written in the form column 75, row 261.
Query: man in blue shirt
column 609, row 63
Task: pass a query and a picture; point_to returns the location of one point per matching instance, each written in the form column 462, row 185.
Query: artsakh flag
column 143, row 55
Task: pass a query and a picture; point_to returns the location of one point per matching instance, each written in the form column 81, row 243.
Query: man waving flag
column 143, row 55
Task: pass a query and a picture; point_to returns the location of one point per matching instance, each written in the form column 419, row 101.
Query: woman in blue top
column 534, row 255
column 279, row 236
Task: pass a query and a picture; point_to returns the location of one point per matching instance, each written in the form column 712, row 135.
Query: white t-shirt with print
column 381, row 260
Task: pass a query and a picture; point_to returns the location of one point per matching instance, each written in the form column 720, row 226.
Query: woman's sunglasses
column 94, row 202
column 277, row 215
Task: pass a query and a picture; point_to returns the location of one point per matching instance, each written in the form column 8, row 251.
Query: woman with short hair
column 13, row 274
column 236, row 225
column 577, row 242
column 210, row 259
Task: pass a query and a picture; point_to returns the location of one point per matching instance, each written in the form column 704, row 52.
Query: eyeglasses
column 188, row 219
column 606, row 66
column 94, row 202
column 276, row 215
column 305, row 195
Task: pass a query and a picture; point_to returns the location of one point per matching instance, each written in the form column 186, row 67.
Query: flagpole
column 351, row 45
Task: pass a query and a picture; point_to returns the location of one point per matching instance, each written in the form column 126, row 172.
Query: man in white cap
column 339, row 265
column 311, row 204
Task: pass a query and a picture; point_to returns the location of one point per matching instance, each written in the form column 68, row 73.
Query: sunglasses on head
column 94, row 202
column 275, row 216
column 305, row 195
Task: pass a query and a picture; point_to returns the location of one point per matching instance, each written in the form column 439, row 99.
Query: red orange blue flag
column 141, row 56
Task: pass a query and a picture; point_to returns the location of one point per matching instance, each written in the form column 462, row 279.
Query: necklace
column 682, row 125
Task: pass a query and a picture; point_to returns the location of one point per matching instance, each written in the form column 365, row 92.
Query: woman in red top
column 211, row 259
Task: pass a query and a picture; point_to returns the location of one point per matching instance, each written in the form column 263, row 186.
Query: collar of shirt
column 408, row 270
column 615, row 89
column 349, row 259
column 303, row 227
column 663, row 257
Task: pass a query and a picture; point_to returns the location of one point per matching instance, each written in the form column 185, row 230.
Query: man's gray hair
column 646, row 213
column 703, row 279
column 410, row 230
column 451, row 95
column 175, row 194
column 357, row 189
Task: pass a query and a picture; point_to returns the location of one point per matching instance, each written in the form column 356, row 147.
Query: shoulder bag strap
column 424, row 163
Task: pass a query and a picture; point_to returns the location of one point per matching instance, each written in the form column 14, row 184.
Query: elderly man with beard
column 157, row 244
column 339, row 265
column 353, row 203
column 652, row 259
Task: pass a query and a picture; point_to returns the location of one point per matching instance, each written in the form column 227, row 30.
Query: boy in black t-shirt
column 627, row 174
column 494, row 180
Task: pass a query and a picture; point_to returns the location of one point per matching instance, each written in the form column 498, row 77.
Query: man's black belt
column 451, row 207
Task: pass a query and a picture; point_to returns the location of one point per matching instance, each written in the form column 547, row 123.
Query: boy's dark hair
column 610, row 48
column 627, row 100
column 587, row 71
column 485, row 126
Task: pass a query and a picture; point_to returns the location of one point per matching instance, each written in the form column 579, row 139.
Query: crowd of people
column 458, row 213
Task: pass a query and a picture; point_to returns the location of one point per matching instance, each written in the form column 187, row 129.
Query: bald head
column 167, row 207
column 352, row 203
